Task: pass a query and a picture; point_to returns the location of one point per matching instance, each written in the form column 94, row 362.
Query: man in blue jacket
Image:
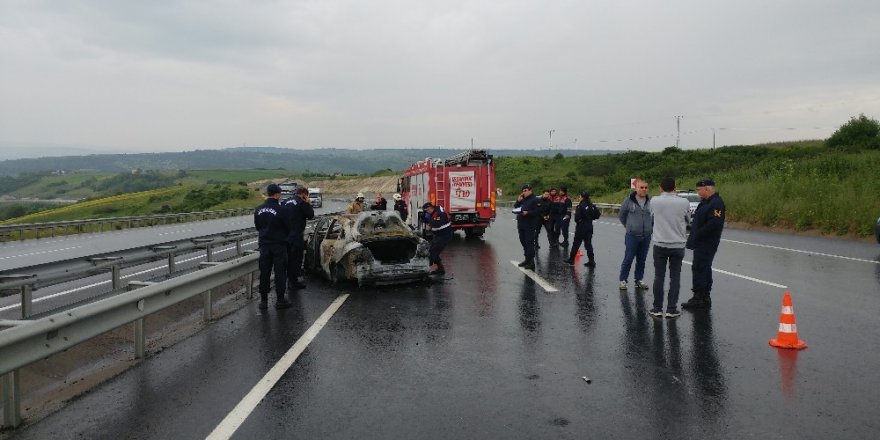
column 635, row 215
column 300, row 210
column 708, row 222
column 528, row 217
column 441, row 235
column 273, row 226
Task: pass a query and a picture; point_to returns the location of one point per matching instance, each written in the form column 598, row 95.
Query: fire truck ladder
column 440, row 183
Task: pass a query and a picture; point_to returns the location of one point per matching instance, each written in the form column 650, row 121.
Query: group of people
column 281, row 225
column 663, row 219
column 379, row 204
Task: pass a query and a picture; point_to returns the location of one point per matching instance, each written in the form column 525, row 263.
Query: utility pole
column 678, row 129
column 472, row 143
column 713, row 138
column 550, row 142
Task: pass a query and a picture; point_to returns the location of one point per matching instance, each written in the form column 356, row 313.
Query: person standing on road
column 635, row 214
column 708, row 222
column 528, row 219
column 441, row 235
column 380, row 204
column 400, row 207
column 671, row 214
column 584, row 215
column 357, row 206
column 545, row 203
column 300, row 210
column 566, row 216
column 557, row 211
column 273, row 227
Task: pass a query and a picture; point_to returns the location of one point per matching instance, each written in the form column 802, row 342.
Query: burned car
column 369, row 248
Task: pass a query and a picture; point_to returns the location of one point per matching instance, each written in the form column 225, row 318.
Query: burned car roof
column 369, row 248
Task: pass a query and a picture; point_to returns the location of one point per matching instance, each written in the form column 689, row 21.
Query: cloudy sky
column 169, row 76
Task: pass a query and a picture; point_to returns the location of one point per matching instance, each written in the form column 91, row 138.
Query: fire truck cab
column 463, row 185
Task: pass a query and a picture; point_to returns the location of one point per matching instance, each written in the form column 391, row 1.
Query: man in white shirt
column 671, row 216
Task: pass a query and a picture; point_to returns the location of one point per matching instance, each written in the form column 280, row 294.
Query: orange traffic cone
column 787, row 337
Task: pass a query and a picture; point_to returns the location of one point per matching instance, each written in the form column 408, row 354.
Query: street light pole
column 678, row 129
column 550, row 142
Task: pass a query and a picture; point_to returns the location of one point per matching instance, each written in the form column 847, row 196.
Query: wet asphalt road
column 489, row 353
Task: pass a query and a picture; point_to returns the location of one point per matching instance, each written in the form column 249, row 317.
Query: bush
column 860, row 132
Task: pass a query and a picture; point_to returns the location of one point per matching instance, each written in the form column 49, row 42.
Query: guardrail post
column 237, row 237
column 140, row 338
column 170, row 250
column 114, row 268
column 207, row 243
column 26, row 289
column 207, row 296
column 11, row 399
column 27, row 300
column 249, row 289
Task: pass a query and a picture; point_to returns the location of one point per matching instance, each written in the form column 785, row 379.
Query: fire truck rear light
column 485, row 204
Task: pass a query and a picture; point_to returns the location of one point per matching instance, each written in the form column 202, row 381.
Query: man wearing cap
column 441, row 235
column 708, row 222
column 671, row 215
column 400, row 207
column 357, row 205
column 528, row 218
column 584, row 215
column 300, row 210
column 635, row 215
column 273, row 225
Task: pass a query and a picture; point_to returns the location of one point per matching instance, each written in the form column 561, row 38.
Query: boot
column 698, row 301
column 591, row 263
column 570, row 260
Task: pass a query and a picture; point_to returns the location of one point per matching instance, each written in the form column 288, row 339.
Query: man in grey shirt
column 670, row 235
column 635, row 215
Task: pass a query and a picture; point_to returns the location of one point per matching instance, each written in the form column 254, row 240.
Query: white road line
column 40, row 253
column 89, row 286
column 240, row 413
column 801, row 251
column 537, row 278
column 744, row 277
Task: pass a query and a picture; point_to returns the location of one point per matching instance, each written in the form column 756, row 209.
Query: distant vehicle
column 287, row 189
column 463, row 185
column 369, row 248
column 877, row 230
column 693, row 199
column 315, row 197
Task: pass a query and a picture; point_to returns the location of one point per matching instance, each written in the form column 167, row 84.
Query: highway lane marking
column 40, row 253
column 240, row 413
column 769, row 283
column 801, row 251
column 89, row 286
column 535, row 277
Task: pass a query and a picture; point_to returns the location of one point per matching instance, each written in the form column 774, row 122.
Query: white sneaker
column 623, row 285
column 641, row 285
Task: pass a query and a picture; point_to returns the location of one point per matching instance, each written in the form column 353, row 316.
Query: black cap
column 427, row 205
column 585, row 194
column 525, row 187
column 705, row 182
column 273, row 189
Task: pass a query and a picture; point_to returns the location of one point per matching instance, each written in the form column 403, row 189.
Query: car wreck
column 369, row 248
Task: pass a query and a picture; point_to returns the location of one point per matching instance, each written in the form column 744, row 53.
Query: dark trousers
column 637, row 247
column 549, row 226
column 527, row 239
column 674, row 257
column 295, row 250
column 438, row 242
column 555, row 227
column 702, row 270
column 273, row 257
column 584, row 236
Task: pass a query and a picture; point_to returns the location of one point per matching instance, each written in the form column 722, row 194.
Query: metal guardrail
column 28, row 279
column 28, row 341
column 8, row 231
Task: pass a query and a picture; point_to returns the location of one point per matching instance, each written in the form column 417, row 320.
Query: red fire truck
column 464, row 185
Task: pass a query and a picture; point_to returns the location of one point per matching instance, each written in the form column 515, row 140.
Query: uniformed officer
column 557, row 211
column 300, row 210
column 357, row 205
column 544, row 205
column 273, row 226
column 441, row 235
column 528, row 218
column 584, row 215
column 400, row 207
column 566, row 217
column 708, row 222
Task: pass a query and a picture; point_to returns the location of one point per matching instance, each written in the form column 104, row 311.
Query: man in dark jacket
column 566, row 214
column 441, row 235
column 273, row 225
column 300, row 210
column 380, row 204
column 584, row 215
column 528, row 218
column 706, row 227
column 545, row 205
column 400, row 207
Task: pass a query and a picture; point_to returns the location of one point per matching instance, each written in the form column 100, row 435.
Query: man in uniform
column 566, row 218
column 357, row 206
column 584, row 215
column 528, row 218
column 542, row 210
column 441, row 235
column 300, row 210
column 557, row 211
column 400, row 207
column 708, row 222
column 273, row 226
